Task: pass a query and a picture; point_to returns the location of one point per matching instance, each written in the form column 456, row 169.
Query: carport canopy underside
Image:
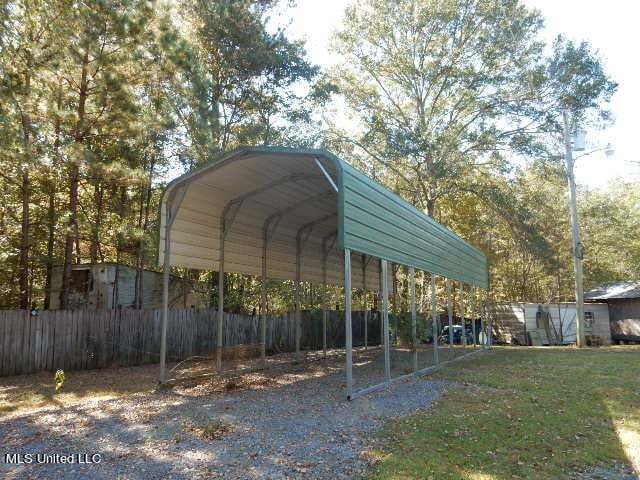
column 280, row 206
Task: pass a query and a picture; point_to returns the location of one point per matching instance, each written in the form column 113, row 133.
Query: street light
column 577, row 145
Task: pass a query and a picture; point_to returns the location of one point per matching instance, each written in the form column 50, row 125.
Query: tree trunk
column 431, row 207
column 51, row 219
column 137, row 300
column 94, row 246
column 143, row 222
column 74, row 178
column 23, row 269
column 24, row 243
column 51, row 211
column 116, row 286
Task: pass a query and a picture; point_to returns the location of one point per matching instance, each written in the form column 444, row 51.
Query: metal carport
column 298, row 214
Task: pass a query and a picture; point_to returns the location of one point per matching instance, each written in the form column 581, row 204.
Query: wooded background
column 454, row 105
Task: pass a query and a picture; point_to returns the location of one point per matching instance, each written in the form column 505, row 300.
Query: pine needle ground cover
column 531, row 413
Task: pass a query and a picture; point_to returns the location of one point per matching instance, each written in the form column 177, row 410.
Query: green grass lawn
column 531, row 413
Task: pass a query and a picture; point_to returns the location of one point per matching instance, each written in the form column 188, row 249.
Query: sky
column 608, row 26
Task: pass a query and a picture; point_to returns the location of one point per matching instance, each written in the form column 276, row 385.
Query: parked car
column 457, row 334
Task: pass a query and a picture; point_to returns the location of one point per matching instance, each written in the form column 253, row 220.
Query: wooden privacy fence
column 87, row 339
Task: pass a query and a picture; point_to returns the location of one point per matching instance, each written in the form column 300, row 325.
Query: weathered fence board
column 86, row 339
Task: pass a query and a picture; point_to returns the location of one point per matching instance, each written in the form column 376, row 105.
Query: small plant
column 211, row 428
column 59, row 379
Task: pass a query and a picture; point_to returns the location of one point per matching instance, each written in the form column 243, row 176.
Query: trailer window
column 80, row 281
column 588, row 320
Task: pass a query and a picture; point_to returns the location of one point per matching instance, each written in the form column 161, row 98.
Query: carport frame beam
column 365, row 312
column 347, row 322
column 450, row 314
column 414, row 327
column 302, row 236
column 463, row 320
column 220, row 329
column 325, row 254
column 434, row 320
column 385, row 317
column 297, row 313
column 170, row 214
column 474, row 294
column 263, row 300
column 224, row 227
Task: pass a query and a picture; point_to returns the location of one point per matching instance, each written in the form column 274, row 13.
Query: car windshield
column 455, row 327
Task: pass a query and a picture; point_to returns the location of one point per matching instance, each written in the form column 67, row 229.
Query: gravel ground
column 292, row 424
column 608, row 472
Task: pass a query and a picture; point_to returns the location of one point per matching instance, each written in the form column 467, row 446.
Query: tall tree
column 438, row 88
column 100, row 100
column 610, row 218
column 240, row 76
column 27, row 33
column 103, row 53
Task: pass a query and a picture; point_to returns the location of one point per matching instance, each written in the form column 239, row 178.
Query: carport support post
column 297, row 295
column 450, row 315
column 385, row 319
column 434, row 320
column 462, row 320
column 263, row 302
column 483, row 324
column 347, row 321
column 380, row 313
column 166, row 269
column 394, row 290
column 324, row 301
column 489, row 330
column 414, row 328
column 365, row 313
column 474, row 293
column 220, row 299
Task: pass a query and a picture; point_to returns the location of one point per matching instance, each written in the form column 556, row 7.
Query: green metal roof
column 369, row 218
column 380, row 223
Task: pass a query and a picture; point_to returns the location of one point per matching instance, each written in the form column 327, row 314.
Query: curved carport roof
column 307, row 201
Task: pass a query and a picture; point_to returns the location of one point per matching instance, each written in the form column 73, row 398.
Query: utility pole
column 575, row 232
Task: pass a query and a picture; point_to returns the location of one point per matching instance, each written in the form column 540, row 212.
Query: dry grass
column 210, row 428
column 25, row 392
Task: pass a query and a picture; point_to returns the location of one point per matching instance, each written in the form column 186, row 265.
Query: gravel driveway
column 292, row 425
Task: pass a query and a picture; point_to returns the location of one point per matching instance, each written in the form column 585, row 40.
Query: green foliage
column 240, row 78
column 444, row 94
column 438, row 89
column 577, row 79
column 101, row 102
column 404, row 333
column 610, row 220
column 59, row 379
column 210, row 428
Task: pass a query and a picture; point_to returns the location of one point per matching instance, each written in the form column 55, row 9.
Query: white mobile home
column 549, row 323
column 112, row 285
